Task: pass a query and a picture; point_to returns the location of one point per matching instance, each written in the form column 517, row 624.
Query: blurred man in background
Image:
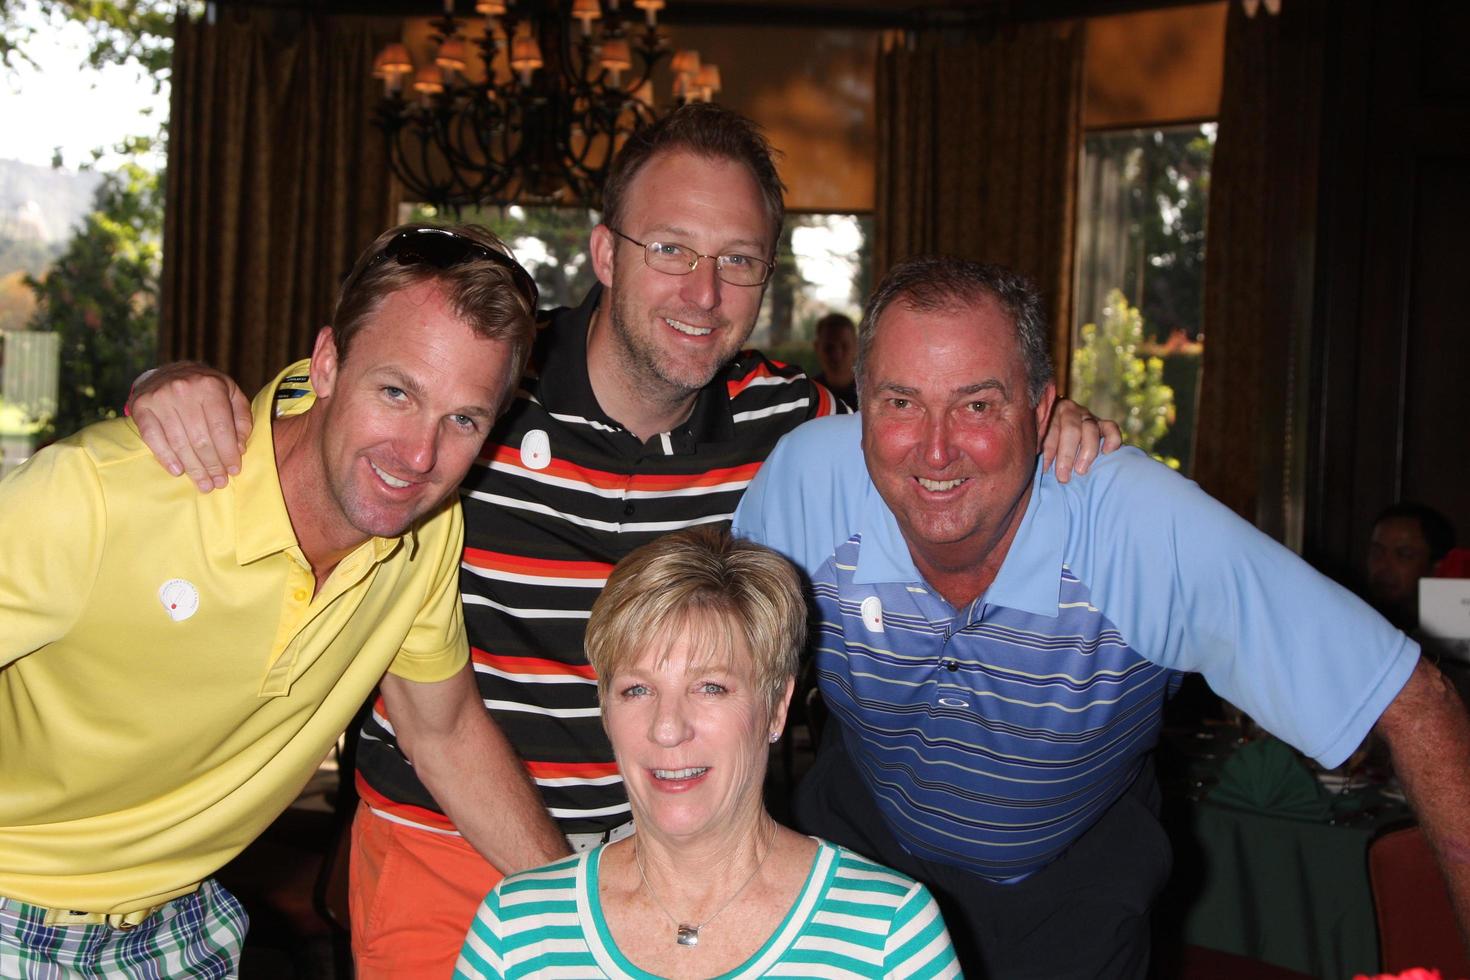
column 1408, row 541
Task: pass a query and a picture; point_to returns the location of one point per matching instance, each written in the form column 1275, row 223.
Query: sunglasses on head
column 445, row 249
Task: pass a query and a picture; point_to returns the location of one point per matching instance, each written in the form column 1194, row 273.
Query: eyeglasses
column 444, row 249
column 680, row 260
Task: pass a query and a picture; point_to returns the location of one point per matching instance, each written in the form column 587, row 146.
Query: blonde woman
column 695, row 642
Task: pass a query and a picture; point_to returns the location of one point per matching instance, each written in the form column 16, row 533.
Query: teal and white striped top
column 853, row 918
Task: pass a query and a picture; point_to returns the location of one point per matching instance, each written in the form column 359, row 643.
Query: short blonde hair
column 701, row 579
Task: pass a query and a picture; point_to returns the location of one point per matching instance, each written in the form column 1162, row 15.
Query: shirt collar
column 561, row 356
column 1029, row 579
column 262, row 526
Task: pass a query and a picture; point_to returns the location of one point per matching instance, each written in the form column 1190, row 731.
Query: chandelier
column 538, row 119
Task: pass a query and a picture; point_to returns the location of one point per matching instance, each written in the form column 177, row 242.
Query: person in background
column 835, row 342
column 1407, row 542
column 175, row 667
column 695, row 642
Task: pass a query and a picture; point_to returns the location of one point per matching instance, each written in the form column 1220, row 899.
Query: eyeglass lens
column 680, row 260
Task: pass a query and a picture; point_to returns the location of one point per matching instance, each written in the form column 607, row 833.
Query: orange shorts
column 412, row 896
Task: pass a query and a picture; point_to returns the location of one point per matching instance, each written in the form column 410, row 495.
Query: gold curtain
column 1259, row 260
column 276, row 181
column 978, row 138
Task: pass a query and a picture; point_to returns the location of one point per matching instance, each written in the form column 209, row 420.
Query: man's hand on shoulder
column 194, row 419
column 1071, row 441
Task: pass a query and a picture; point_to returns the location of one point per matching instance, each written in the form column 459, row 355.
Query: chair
column 1416, row 923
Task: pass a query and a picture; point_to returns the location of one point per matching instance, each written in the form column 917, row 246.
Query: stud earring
column 775, row 737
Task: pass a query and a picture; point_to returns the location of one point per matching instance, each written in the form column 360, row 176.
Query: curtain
column 978, row 141
column 1259, row 261
column 276, row 181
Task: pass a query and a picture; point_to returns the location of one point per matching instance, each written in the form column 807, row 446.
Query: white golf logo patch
column 536, row 450
column 180, row 599
column 872, row 609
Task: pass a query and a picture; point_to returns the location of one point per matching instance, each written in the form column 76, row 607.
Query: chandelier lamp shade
column 529, row 104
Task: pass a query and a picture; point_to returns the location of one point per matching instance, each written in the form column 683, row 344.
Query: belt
column 72, row 917
column 586, row 842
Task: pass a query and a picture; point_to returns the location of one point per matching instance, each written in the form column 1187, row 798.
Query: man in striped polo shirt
column 639, row 414
column 996, row 646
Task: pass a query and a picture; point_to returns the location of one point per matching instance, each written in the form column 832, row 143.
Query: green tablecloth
column 1289, row 891
column 1285, row 891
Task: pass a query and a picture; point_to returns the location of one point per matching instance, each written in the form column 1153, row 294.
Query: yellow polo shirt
column 168, row 683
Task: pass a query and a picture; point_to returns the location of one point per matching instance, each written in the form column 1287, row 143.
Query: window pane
column 550, row 242
column 1137, row 340
column 823, row 266
column 79, row 306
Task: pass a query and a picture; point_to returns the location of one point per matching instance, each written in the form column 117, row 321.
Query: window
column 822, row 266
column 550, row 242
column 79, row 240
column 1137, row 340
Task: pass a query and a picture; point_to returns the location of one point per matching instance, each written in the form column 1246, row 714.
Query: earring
column 775, row 737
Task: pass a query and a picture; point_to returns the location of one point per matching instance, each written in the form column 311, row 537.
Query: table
column 1287, row 891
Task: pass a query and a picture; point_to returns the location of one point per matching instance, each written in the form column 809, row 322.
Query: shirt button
column 627, row 510
column 951, row 666
column 299, row 595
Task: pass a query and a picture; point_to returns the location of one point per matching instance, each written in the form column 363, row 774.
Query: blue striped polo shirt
column 994, row 735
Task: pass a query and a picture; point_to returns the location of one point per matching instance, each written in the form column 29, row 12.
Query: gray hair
column 942, row 283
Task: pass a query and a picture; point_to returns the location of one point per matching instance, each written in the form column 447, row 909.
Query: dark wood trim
column 859, row 14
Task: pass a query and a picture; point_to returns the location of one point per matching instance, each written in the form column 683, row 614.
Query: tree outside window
column 1138, row 342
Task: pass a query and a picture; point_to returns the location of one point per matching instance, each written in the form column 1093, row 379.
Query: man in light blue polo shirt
column 995, row 647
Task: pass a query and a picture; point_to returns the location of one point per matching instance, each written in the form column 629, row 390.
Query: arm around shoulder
column 194, row 418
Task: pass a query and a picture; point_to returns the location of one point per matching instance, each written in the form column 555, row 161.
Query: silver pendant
column 688, row 935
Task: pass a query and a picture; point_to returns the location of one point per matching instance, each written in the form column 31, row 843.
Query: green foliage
column 1111, row 378
column 781, row 291
column 101, row 296
column 1175, row 180
column 123, row 31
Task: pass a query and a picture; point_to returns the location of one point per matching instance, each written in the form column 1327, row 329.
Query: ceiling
column 887, row 13
column 832, row 13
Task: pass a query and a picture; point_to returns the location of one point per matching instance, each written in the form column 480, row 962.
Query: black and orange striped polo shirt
column 559, row 494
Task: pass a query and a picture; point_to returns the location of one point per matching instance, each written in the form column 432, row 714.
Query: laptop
column 1444, row 615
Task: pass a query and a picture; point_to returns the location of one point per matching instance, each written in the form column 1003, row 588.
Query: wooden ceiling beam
column 869, row 14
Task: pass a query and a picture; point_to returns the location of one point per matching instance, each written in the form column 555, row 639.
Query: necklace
column 686, row 934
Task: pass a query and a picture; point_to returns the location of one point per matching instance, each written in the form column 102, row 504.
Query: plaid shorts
column 198, row 935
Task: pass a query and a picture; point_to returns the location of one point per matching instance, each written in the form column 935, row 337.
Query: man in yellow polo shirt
column 174, row 666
